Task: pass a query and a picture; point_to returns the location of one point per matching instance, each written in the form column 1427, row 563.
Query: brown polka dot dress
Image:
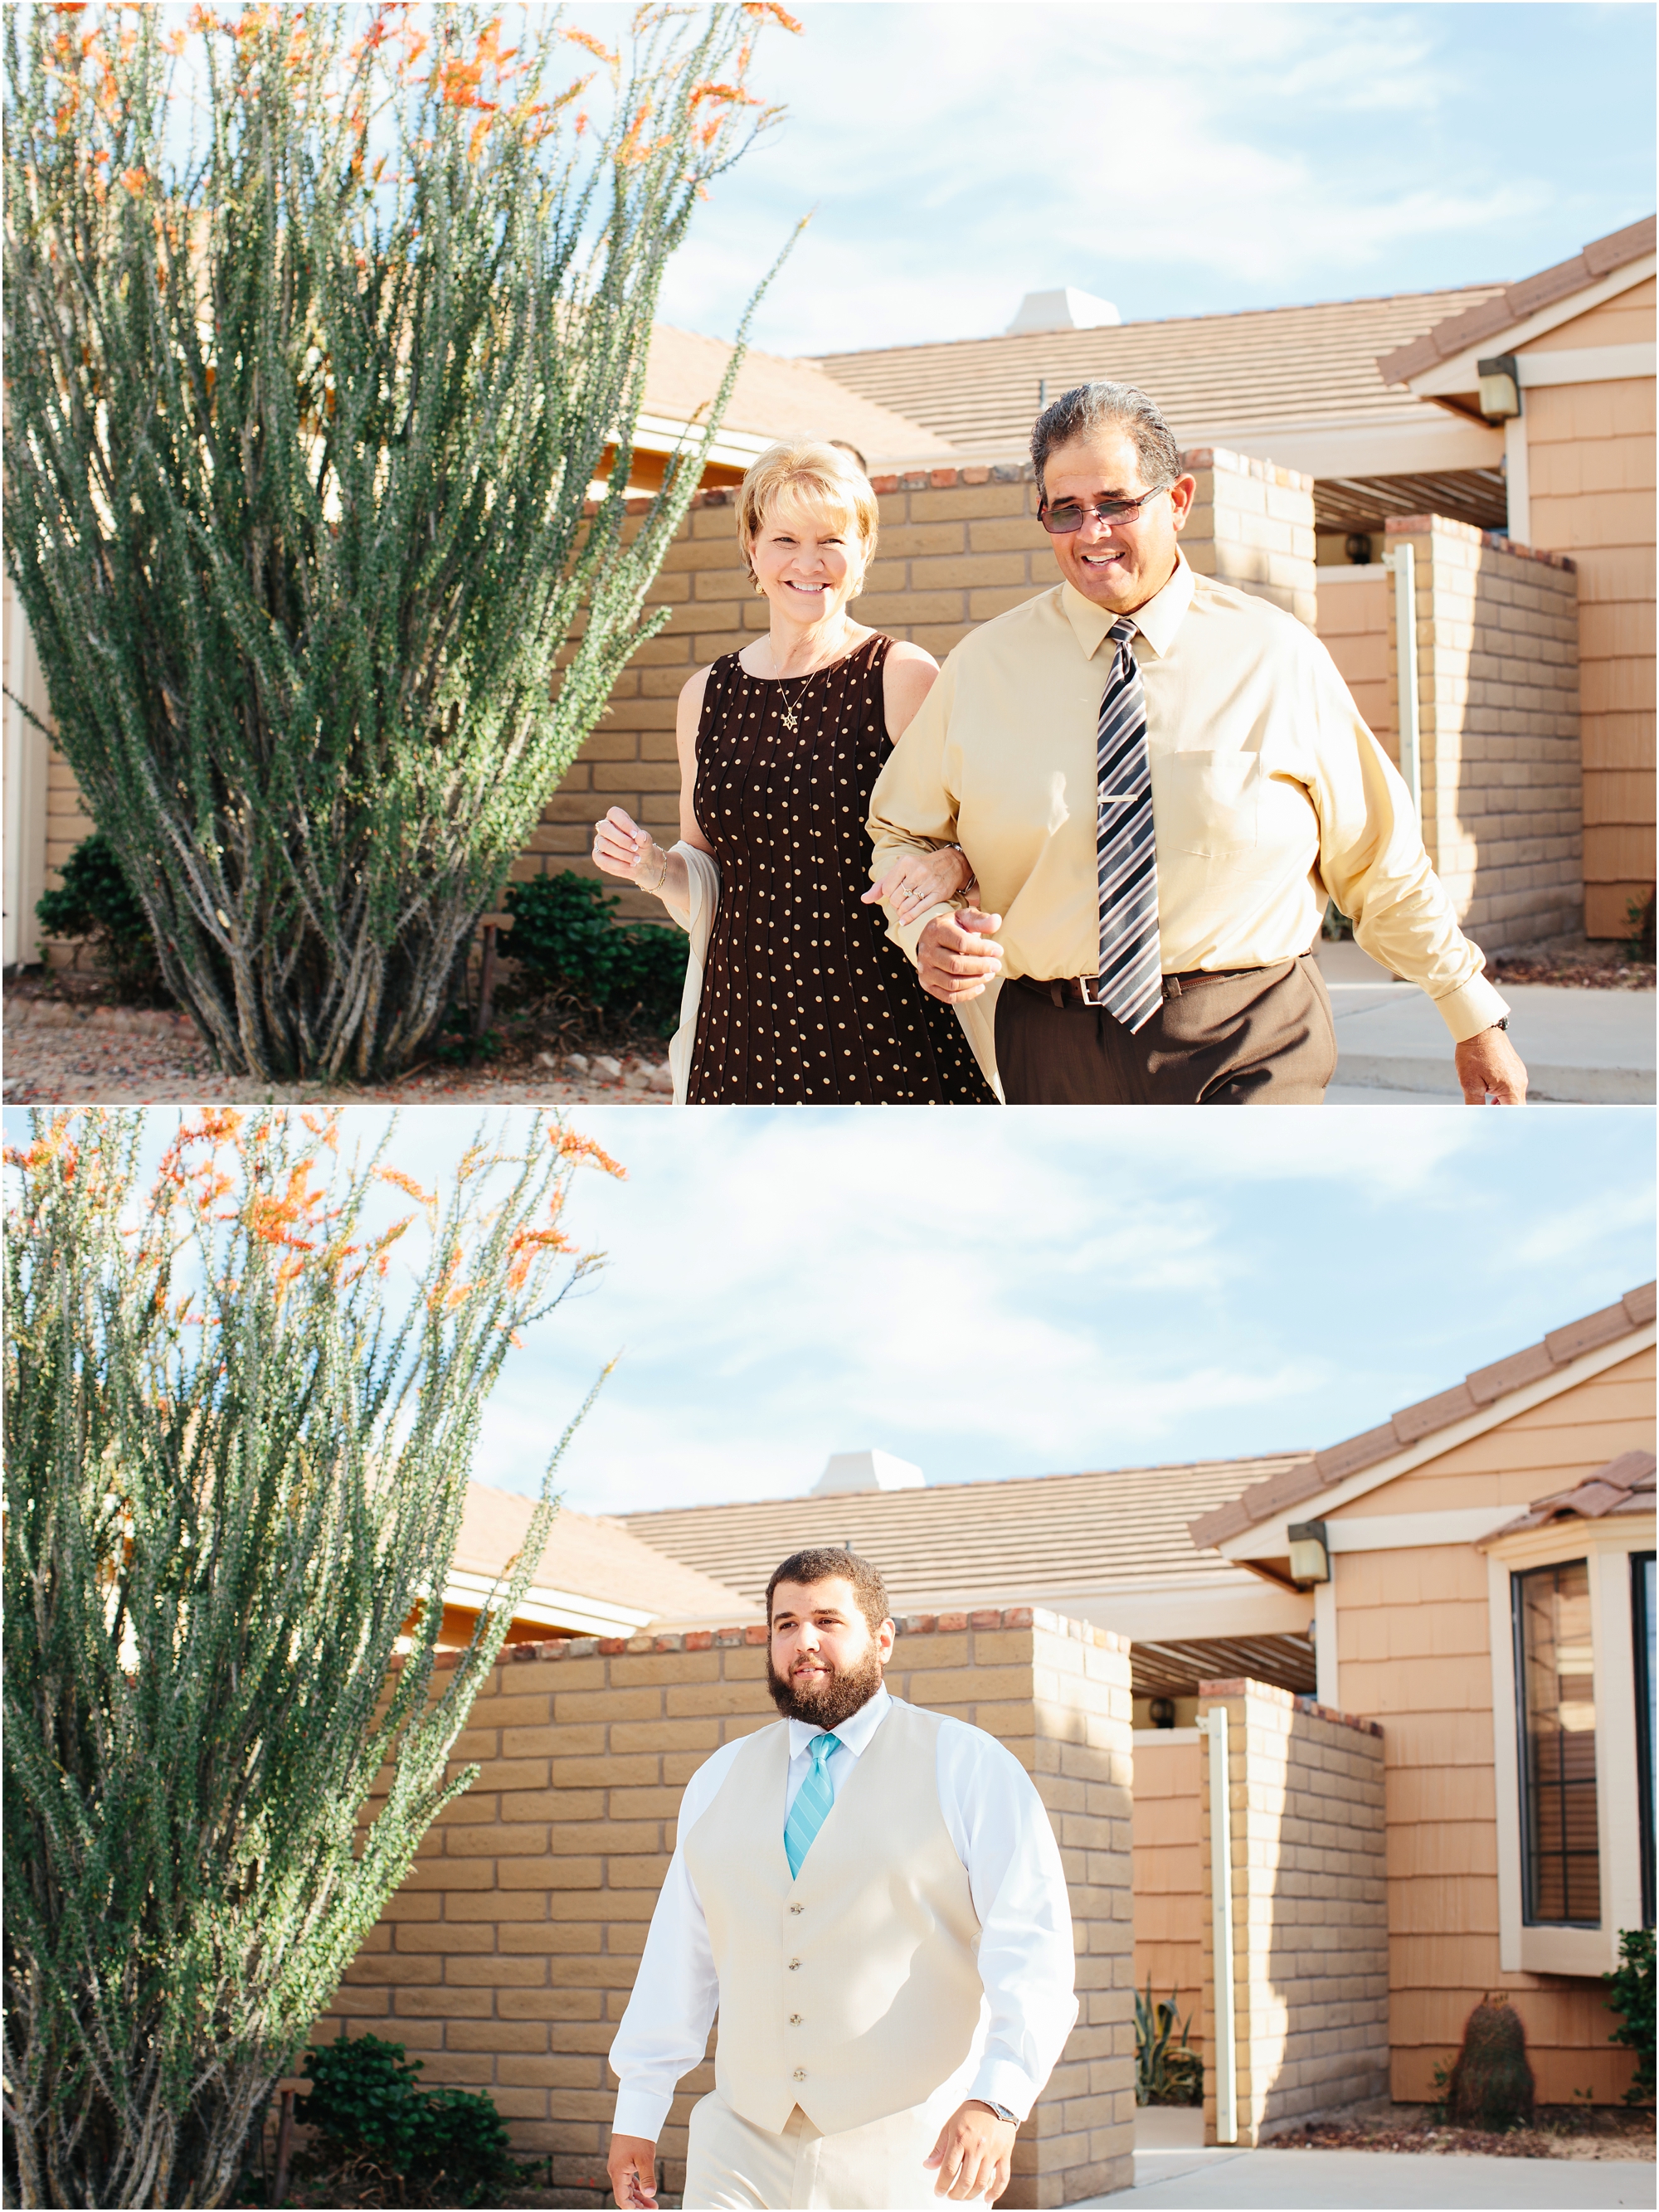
column 806, row 999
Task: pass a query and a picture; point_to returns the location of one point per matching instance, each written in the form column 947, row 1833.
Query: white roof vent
column 1066, row 310
column 867, row 1470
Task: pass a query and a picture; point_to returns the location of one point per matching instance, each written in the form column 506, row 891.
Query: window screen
column 1555, row 1676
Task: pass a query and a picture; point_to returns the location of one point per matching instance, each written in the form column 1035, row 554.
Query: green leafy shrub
column 1167, row 2072
column 563, row 933
column 1491, row 2085
column 1630, row 1994
column 366, row 2102
column 1639, row 920
column 96, row 905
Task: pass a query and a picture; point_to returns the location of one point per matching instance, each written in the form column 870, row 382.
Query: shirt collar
column 854, row 1732
column 1156, row 622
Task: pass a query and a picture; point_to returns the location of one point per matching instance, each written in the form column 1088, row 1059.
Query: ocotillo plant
column 314, row 346
column 237, row 1453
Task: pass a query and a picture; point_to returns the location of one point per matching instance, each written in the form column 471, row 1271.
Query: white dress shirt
column 997, row 1822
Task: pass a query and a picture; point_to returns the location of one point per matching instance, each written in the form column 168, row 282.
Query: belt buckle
column 1089, row 990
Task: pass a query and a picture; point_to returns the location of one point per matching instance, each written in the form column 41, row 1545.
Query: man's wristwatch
column 1001, row 2110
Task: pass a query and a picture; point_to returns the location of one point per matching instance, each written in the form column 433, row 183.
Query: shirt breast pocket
column 1207, row 803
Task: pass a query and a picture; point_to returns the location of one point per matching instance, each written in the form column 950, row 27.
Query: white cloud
column 1175, row 159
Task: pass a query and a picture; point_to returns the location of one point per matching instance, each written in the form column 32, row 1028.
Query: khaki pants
column 1260, row 1037
column 875, row 2168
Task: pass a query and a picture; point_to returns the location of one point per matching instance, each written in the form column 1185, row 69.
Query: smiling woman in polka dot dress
column 806, row 999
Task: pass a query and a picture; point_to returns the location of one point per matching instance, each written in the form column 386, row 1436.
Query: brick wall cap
column 1494, row 541
column 754, row 1632
column 1246, row 1686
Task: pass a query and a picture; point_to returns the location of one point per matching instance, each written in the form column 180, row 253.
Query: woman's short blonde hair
column 820, row 477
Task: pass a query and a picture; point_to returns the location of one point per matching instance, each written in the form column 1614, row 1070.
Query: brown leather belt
column 1082, row 990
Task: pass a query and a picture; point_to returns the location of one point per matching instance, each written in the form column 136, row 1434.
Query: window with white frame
column 1555, row 1684
column 1573, row 1617
column 1643, row 1612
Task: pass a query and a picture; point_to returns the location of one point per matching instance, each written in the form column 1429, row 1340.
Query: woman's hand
column 620, row 847
column 920, row 880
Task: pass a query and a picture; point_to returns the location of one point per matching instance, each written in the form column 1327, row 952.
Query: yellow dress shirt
column 1268, row 792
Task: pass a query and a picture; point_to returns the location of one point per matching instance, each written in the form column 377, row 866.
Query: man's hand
column 632, row 2166
column 972, row 2153
column 1491, row 1072
column 957, row 955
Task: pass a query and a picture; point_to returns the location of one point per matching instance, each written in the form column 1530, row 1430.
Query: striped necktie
column 1125, row 854
column 812, row 1806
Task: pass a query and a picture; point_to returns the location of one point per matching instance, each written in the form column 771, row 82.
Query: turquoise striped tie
column 812, row 1806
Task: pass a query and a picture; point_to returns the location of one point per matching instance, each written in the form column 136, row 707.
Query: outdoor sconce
column 1500, row 388
column 1310, row 1554
column 1162, row 1712
column 1358, row 547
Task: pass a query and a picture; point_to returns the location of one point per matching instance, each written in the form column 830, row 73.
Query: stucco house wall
column 1590, row 461
column 1415, row 1653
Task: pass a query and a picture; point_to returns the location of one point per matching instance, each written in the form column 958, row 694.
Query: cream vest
column 853, row 1990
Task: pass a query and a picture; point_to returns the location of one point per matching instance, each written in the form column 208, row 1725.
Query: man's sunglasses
column 1060, row 521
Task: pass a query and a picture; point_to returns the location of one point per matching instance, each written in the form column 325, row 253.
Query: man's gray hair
column 1091, row 407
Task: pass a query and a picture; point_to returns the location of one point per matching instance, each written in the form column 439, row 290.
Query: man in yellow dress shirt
column 1259, row 790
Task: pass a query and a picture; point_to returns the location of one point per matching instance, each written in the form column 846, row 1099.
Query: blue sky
column 1004, row 1294
column 1181, row 159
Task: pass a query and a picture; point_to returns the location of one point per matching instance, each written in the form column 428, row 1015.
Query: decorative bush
column 563, row 933
column 237, row 1456
column 95, row 904
column 1167, row 2072
column 1639, row 920
column 320, row 325
column 366, row 2102
column 1630, row 1993
column 1491, row 2085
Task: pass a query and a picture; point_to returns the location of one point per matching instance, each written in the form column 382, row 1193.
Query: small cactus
column 1492, row 2085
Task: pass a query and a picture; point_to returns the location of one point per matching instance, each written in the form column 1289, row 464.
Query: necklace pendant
column 789, row 718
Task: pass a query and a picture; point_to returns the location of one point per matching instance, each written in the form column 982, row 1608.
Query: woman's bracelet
column 662, row 872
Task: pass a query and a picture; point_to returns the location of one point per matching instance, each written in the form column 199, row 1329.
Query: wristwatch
column 1001, row 2110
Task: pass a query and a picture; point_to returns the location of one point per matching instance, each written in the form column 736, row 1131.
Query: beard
column 835, row 1697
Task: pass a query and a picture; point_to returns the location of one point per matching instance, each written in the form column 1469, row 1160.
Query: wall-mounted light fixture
column 1310, row 1554
column 1500, row 388
column 1162, row 1712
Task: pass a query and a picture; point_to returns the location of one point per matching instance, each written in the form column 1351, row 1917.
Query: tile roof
column 978, row 1543
column 589, row 1557
column 1215, row 377
column 1625, row 1485
column 1513, row 303
column 1293, row 1486
column 775, row 397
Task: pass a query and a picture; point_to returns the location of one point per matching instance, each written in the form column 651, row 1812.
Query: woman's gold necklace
column 789, row 715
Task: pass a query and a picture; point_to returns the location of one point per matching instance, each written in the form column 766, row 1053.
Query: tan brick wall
column 1497, row 693
column 1591, row 465
column 1169, row 1892
column 1414, row 1638
column 507, row 1958
column 1355, row 622
column 1310, row 1957
column 957, row 546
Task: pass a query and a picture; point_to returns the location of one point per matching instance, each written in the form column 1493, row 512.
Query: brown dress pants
column 1254, row 1036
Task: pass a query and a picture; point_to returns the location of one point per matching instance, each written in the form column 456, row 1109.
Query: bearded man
column 872, row 1898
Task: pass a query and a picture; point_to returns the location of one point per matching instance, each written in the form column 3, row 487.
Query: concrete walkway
column 1374, row 2181
column 1581, row 1047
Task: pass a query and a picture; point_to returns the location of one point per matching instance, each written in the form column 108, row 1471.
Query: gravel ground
column 59, row 1052
column 1560, row 2132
